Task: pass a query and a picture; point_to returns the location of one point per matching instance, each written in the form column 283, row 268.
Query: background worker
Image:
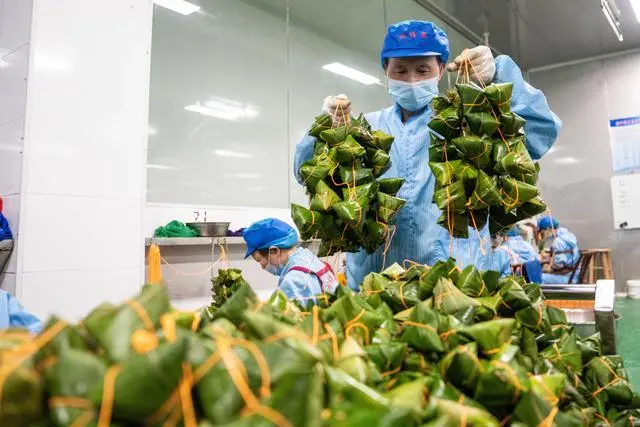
column 500, row 256
column 529, row 230
column 559, row 249
column 520, row 250
column 302, row 275
column 414, row 56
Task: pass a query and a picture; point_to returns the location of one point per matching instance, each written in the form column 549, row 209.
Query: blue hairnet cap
column 513, row 231
column 415, row 38
column 547, row 222
column 268, row 233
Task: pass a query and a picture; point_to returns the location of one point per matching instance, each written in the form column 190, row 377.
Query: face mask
column 413, row 96
column 274, row 269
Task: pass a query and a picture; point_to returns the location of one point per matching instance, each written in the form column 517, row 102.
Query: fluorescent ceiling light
column 635, row 4
column 612, row 17
column 161, row 167
column 180, row 6
column 351, row 73
column 228, row 153
column 244, row 175
column 224, row 109
column 566, row 161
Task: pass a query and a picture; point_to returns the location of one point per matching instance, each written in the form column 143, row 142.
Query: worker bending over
column 560, row 252
column 302, row 275
column 414, row 56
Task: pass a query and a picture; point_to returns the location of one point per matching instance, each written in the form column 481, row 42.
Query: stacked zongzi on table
column 417, row 346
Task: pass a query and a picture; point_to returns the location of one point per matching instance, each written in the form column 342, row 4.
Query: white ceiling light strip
column 612, row 13
column 179, row 6
column 224, row 109
column 635, row 4
column 351, row 73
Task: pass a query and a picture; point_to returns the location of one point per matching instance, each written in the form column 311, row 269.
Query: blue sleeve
column 19, row 318
column 501, row 262
column 542, row 125
column 304, row 152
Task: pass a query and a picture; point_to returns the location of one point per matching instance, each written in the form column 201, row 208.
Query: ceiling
column 543, row 32
column 535, row 32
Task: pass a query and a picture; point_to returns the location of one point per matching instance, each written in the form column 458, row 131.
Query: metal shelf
column 193, row 241
column 202, row 241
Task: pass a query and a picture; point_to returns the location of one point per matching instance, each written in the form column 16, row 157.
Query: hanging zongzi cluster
column 416, row 347
column 350, row 207
column 481, row 165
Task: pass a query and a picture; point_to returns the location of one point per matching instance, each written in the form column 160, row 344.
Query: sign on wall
column 625, row 144
column 625, row 193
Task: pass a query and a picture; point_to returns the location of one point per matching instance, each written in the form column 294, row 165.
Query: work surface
column 628, row 337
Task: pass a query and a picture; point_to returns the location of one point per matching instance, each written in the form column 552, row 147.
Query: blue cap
column 415, row 38
column 268, row 233
column 547, row 222
column 513, row 232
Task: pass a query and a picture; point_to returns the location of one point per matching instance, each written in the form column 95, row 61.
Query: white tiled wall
column 15, row 28
column 82, row 191
column 72, row 294
column 80, row 233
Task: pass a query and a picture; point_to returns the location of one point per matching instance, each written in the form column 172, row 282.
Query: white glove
column 339, row 108
column 483, row 65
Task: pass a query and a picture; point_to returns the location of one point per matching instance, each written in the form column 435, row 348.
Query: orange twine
column 108, row 394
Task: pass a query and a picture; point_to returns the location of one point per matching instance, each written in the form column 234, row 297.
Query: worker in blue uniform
column 560, row 251
column 519, row 249
column 302, row 275
column 13, row 315
column 523, row 257
column 500, row 259
column 414, row 56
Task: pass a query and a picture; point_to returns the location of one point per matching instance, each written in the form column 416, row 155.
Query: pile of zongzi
column 350, row 205
column 480, row 162
column 422, row 346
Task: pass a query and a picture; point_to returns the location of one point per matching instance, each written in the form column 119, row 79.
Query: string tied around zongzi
column 27, row 350
column 108, row 395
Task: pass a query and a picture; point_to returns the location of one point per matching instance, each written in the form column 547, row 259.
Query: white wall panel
column 84, row 153
column 15, row 24
column 80, row 233
column 73, row 294
column 13, row 84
